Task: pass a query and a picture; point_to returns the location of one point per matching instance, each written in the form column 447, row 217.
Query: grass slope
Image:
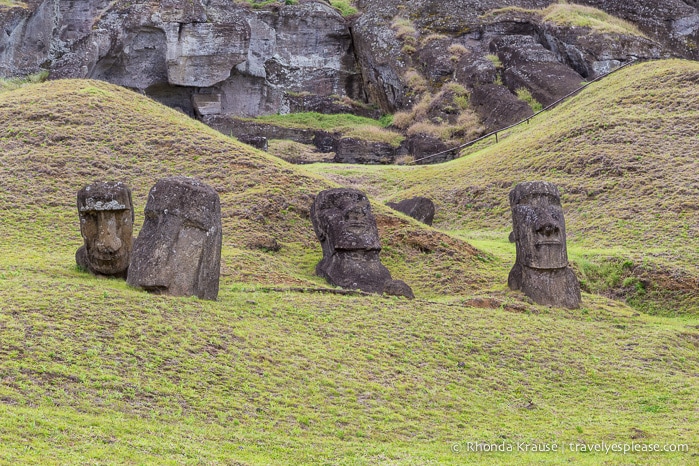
column 58, row 136
column 624, row 154
column 93, row 371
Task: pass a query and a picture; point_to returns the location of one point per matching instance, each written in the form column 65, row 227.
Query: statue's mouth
column 548, row 243
column 107, row 258
column 357, row 226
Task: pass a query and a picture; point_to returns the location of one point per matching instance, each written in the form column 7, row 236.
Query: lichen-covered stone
column 398, row 288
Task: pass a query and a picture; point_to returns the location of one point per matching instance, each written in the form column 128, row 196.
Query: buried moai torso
column 178, row 250
column 344, row 224
column 541, row 268
column 106, row 225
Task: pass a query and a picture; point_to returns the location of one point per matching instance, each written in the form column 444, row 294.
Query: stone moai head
column 178, row 250
column 538, row 226
column 347, row 232
column 541, row 269
column 342, row 219
column 106, row 225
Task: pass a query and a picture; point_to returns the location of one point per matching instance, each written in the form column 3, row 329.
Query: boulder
column 420, row 208
column 398, row 288
column 258, row 142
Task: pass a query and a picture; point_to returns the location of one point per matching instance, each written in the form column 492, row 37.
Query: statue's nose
column 548, row 229
column 546, row 225
column 107, row 239
column 357, row 212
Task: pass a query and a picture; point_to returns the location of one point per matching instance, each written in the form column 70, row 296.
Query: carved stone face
column 106, row 225
column 347, row 231
column 178, row 250
column 342, row 218
column 538, row 226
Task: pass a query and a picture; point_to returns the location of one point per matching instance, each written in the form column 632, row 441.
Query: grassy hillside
column 624, row 154
column 60, row 136
column 95, row 372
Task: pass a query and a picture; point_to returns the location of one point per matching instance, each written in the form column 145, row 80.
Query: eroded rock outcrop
column 472, row 43
column 420, row 208
column 245, row 61
column 217, row 57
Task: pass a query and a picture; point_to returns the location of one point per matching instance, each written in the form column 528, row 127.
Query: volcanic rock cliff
column 210, row 57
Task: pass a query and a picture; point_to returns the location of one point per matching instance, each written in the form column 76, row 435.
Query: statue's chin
column 109, row 267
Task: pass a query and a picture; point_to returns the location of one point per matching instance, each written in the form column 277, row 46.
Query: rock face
column 352, row 150
column 346, row 228
column 106, row 225
column 419, row 208
column 251, row 61
column 541, row 269
column 498, row 107
column 178, row 251
column 213, row 58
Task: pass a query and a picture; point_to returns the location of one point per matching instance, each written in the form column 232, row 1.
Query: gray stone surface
column 353, row 150
column 284, row 58
column 178, row 250
column 398, row 288
column 498, row 107
column 541, row 268
column 106, row 225
column 346, row 228
column 252, row 57
column 420, row 208
column 207, row 104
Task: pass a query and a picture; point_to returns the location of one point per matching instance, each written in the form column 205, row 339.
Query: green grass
column 344, row 123
column 345, row 7
column 12, row 3
column 573, row 15
column 526, row 96
column 621, row 154
column 589, row 17
column 10, row 84
column 95, row 372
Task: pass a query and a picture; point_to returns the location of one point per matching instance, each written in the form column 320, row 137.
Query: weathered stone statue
column 419, row 208
column 347, row 231
column 541, row 269
column 178, row 251
column 106, row 225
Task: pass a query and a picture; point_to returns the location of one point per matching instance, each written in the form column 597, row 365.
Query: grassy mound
column 59, row 136
column 623, row 154
column 94, row 371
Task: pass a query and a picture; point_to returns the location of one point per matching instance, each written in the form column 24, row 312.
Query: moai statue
column 178, row 250
column 106, row 225
column 347, row 232
column 541, row 269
